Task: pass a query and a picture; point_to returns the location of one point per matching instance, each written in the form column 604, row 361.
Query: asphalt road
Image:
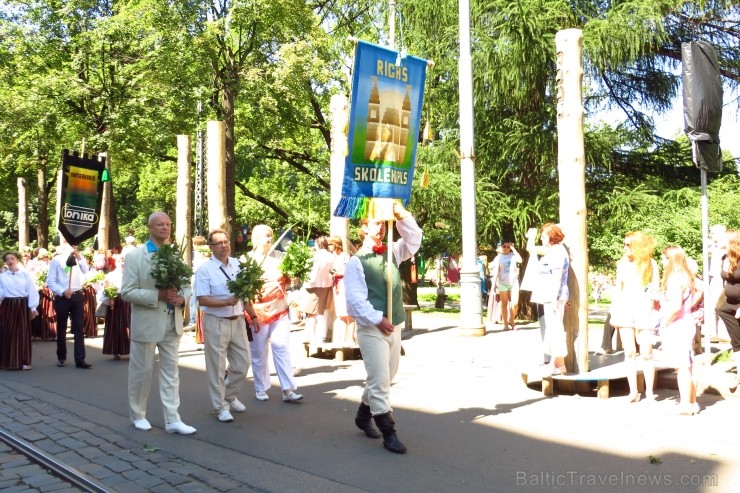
column 470, row 424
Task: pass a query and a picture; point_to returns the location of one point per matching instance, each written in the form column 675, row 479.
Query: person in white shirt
column 378, row 331
column 224, row 328
column 18, row 302
column 319, row 293
column 66, row 275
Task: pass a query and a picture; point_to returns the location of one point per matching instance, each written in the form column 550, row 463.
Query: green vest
column 377, row 292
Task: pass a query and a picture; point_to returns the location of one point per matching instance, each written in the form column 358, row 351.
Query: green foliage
column 297, row 262
column 168, row 269
column 248, row 283
column 110, row 292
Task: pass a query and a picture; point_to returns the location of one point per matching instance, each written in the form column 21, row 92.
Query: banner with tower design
column 384, row 124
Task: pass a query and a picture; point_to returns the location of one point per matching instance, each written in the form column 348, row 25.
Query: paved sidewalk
column 460, row 405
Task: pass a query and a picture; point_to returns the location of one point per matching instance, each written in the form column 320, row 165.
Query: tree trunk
column 572, row 174
column 228, row 97
column 22, row 213
column 114, row 236
column 42, row 227
column 183, row 215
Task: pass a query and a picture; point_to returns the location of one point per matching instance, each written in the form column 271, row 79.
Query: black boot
column 388, row 429
column 364, row 421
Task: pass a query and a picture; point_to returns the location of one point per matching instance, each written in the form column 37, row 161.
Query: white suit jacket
column 149, row 317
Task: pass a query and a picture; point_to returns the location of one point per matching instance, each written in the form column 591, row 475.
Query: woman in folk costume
column 340, row 300
column 45, row 325
column 272, row 326
column 116, row 338
column 18, row 302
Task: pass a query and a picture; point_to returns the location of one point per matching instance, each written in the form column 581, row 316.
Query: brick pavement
column 101, row 454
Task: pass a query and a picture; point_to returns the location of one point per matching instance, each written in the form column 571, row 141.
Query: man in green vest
column 378, row 332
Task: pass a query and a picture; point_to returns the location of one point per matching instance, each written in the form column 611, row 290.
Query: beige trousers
column 140, row 368
column 381, row 354
column 225, row 340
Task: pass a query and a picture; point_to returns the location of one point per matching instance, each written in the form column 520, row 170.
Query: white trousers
column 276, row 335
column 554, row 338
column 381, row 354
column 225, row 340
column 140, row 368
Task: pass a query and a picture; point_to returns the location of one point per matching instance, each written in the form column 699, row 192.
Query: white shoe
column 237, row 406
column 225, row 416
column 261, row 396
column 600, row 352
column 292, row 397
column 179, row 427
column 141, row 424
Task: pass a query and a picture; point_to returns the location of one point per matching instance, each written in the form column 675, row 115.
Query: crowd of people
column 41, row 295
column 65, row 285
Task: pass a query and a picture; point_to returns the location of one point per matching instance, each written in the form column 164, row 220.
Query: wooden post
column 339, row 120
column 105, row 211
column 22, row 213
column 572, row 175
column 183, row 214
column 216, row 174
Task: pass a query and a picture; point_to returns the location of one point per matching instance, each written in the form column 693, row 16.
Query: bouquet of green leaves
column 41, row 278
column 98, row 276
column 297, row 262
column 247, row 284
column 168, row 269
column 110, row 292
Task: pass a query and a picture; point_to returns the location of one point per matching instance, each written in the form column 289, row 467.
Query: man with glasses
column 224, row 328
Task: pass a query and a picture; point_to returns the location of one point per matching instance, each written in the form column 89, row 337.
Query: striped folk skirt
column 90, row 324
column 15, row 333
column 116, row 338
column 45, row 325
column 199, row 339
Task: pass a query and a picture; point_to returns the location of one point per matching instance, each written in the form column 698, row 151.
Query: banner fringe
column 375, row 208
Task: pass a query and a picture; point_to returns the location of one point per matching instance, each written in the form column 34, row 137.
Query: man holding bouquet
column 224, row 327
column 156, row 323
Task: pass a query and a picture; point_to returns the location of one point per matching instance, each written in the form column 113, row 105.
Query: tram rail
column 70, row 474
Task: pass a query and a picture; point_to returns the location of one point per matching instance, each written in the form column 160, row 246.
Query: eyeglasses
column 220, row 243
column 627, row 244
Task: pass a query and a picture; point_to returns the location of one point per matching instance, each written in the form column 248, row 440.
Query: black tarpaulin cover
column 702, row 102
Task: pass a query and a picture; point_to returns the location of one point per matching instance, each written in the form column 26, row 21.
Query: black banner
column 82, row 195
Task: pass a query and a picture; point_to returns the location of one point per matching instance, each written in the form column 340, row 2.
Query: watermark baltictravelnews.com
column 575, row 478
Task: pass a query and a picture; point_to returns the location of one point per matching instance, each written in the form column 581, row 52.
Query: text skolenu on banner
column 384, row 123
column 82, row 194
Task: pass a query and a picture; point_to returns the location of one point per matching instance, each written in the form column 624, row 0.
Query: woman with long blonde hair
column 677, row 327
column 635, row 291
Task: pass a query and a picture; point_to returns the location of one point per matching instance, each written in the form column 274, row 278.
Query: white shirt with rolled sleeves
column 358, row 305
column 210, row 280
column 58, row 279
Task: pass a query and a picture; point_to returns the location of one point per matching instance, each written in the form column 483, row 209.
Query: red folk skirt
column 116, row 338
column 45, row 325
column 15, row 333
column 90, row 324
